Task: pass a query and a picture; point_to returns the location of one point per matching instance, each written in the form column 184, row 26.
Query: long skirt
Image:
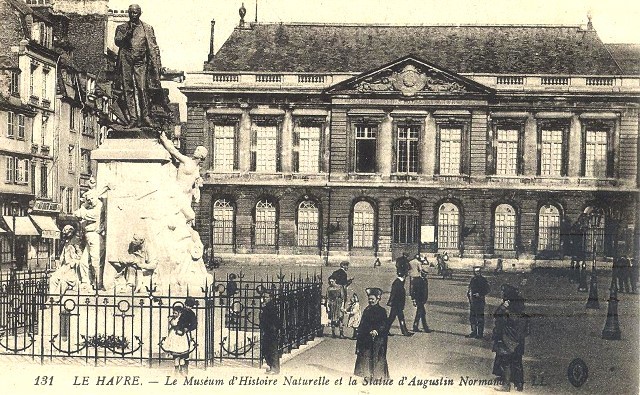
column 371, row 360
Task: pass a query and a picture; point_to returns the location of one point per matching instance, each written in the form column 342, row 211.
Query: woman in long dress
column 335, row 305
column 353, row 315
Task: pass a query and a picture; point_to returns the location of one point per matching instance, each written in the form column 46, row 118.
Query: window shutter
column 539, row 150
column 520, row 159
column 494, row 150
column 583, row 152
column 610, row 154
column 254, row 140
column 565, row 153
column 26, row 171
column 296, row 148
column 436, row 169
column 236, row 145
column 10, row 122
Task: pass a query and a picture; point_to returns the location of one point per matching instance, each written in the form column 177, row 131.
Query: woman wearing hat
column 371, row 343
column 178, row 342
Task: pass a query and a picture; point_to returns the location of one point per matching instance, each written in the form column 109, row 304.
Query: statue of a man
column 138, row 67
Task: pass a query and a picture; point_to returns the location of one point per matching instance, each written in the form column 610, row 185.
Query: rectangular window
column 72, row 119
column 10, row 169
column 86, row 161
column 365, row 148
column 264, row 148
column 595, row 164
column 407, row 149
column 306, row 143
column 14, row 84
column 21, row 126
column 45, row 77
column 507, row 151
column 405, row 228
column 450, row 145
column 11, row 121
column 69, row 200
column 32, row 79
column 44, row 181
column 22, row 171
column 266, row 227
column 551, row 141
column 224, row 146
column 43, row 130
column 71, row 166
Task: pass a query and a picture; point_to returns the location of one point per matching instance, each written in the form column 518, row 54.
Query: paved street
column 561, row 330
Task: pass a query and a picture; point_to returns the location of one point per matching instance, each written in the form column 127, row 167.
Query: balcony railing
column 600, row 81
column 510, row 80
column 310, row 78
column 225, row 78
column 554, row 80
column 269, row 78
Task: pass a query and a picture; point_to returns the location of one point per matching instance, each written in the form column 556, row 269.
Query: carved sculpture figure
column 188, row 176
column 90, row 265
column 66, row 275
column 136, row 268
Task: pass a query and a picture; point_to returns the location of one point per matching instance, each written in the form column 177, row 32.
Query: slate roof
column 526, row 49
column 627, row 56
column 87, row 35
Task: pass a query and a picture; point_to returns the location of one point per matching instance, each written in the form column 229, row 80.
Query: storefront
column 42, row 250
column 23, row 231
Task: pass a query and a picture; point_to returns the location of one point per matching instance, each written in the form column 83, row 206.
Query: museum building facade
column 360, row 142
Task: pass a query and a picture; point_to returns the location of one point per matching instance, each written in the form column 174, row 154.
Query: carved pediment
column 409, row 77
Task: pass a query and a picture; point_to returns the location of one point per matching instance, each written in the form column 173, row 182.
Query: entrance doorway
column 405, row 227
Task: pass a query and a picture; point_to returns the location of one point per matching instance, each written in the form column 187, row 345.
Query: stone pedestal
column 144, row 199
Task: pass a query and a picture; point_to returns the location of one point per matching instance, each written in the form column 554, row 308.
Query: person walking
column 476, row 293
column 371, row 343
column 509, row 332
column 335, row 307
column 419, row 295
column 270, row 328
column 397, row 300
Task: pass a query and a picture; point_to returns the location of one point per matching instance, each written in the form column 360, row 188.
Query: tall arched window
column 265, row 226
column 406, row 222
column 548, row 228
column 363, row 225
column 448, row 226
column 504, row 226
column 307, row 224
column 222, row 225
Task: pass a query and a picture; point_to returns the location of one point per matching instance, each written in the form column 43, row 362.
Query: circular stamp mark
column 577, row 372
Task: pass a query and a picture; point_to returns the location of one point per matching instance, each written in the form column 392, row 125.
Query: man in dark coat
column 397, row 299
column 270, row 328
column 138, row 65
column 509, row 332
column 419, row 295
column 371, row 343
column 342, row 279
column 476, row 293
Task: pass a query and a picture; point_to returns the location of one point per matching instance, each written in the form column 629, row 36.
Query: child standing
column 353, row 315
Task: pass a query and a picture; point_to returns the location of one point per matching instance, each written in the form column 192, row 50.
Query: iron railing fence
column 106, row 326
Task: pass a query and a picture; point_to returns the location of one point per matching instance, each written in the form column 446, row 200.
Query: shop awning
column 47, row 226
column 24, row 226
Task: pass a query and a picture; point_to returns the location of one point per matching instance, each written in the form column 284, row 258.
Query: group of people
column 625, row 274
column 339, row 311
column 511, row 324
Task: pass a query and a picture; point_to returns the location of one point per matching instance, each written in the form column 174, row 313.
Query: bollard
column 611, row 329
column 592, row 302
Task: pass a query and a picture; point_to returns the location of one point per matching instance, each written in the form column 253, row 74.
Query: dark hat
column 510, row 292
column 477, row 267
column 344, row 264
column 374, row 291
column 190, row 301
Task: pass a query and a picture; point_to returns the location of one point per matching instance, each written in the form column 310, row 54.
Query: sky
column 182, row 27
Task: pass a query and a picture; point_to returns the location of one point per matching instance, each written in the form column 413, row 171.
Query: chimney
column 211, row 49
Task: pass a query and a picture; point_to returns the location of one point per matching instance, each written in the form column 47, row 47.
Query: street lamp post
column 593, row 217
column 15, row 207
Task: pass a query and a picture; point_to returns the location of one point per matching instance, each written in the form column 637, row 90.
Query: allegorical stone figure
column 138, row 68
